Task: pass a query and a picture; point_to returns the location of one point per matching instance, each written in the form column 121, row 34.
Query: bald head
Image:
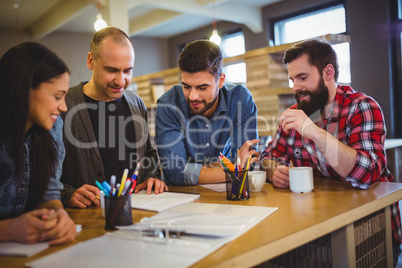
column 115, row 34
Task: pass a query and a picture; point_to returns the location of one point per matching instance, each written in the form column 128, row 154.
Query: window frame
column 226, row 35
column 304, row 11
column 346, row 74
column 396, row 61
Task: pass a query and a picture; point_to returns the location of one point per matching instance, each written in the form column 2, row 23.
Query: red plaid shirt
column 357, row 121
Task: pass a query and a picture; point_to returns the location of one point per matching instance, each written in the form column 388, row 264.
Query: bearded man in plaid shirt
column 332, row 128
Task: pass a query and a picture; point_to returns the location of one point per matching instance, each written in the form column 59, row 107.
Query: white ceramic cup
column 301, row 179
column 256, row 180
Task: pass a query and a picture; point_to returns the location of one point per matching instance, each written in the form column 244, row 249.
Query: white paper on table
column 217, row 187
column 23, row 250
column 119, row 248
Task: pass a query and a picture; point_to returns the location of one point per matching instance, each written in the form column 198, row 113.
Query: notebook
column 161, row 202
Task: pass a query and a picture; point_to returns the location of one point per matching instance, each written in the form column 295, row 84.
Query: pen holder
column 237, row 185
column 117, row 211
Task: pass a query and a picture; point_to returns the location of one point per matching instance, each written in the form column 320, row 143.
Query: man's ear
column 222, row 80
column 329, row 72
column 90, row 61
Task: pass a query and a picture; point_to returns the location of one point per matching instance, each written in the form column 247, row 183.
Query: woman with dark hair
column 33, row 83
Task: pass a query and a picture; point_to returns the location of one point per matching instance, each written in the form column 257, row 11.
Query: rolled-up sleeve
column 367, row 136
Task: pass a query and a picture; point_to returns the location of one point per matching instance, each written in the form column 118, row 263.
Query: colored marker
column 106, row 186
column 123, row 181
column 102, row 189
column 227, row 163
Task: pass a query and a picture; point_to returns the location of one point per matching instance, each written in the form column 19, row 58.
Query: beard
column 207, row 105
column 318, row 99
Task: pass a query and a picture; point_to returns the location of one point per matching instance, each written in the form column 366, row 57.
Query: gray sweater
column 83, row 163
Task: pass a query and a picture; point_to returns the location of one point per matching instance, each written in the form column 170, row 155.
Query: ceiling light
column 215, row 37
column 99, row 23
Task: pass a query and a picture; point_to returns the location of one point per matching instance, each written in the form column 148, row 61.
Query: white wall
column 150, row 53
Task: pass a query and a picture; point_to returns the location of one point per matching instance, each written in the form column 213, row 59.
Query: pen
column 115, row 190
column 126, row 186
column 106, row 186
column 123, row 181
column 112, row 184
column 102, row 189
column 134, row 178
column 238, row 159
column 244, row 177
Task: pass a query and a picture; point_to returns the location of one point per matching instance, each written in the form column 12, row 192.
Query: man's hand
column 299, row 121
column 280, row 176
column 248, row 150
column 160, row 186
column 85, row 196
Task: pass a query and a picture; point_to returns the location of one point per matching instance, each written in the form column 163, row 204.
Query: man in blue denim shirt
column 13, row 198
column 202, row 118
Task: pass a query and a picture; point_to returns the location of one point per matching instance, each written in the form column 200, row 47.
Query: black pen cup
column 237, row 185
column 117, row 212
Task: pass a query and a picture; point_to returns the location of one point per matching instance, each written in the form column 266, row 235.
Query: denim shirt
column 186, row 141
column 13, row 198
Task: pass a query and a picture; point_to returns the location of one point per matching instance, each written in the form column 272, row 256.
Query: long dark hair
column 22, row 68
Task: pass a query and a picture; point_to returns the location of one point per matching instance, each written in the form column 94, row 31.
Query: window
column 233, row 45
column 320, row 22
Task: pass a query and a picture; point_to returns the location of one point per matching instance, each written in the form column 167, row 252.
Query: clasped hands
column 42, row 225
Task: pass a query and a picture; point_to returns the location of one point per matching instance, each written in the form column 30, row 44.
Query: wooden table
column 331, row 208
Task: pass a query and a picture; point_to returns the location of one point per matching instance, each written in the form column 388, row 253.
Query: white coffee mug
column 256, row 180
column 301, row 179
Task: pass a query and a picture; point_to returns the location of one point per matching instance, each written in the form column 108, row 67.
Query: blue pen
column 135, row 174
column 102, row 189
column 106, row 186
